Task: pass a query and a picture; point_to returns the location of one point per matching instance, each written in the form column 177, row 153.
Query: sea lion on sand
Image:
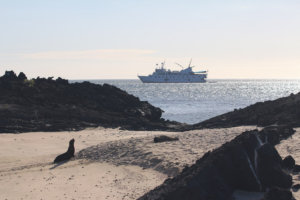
column 69, row 154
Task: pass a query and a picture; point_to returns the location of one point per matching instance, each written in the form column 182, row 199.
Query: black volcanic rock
column 284, row 110
column 274, row 134
column 164, row 138
column 288, row 162
column 296, row 168
column 247, row 162
column 269, row 168
column 22, row 76
column 9, row 76
column 296, row 187
column 278, row 194
column 50, row 105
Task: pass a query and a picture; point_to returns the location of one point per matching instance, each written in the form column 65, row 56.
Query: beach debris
column 164, row 138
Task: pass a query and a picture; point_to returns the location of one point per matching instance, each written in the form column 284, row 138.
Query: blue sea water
column 194, row 102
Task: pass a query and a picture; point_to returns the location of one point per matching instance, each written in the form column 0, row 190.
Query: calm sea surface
column 195, row 102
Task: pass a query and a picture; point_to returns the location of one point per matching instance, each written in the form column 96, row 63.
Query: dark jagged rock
column 68, row 155
column 269, row 168
column 284, row 110
column 296, row 187
column 296, row 169
column 274, row 134
column 288, row 162
column 164, row 138
column 52, row 105
column 22, row 76
column 9, row 76
column 240, row 164
column 278, row 194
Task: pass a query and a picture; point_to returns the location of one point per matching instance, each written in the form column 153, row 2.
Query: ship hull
column 197, row 78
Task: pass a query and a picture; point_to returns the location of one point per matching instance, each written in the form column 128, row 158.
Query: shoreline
column 29, row 156
column 56, row 105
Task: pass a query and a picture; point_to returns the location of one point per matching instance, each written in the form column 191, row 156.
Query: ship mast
column 190, row 62
column 163, row 64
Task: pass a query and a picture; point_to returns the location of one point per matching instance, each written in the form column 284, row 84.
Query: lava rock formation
column 53, row 105
column 248, row 162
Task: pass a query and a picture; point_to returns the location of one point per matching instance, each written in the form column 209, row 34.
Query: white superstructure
column 162, row 75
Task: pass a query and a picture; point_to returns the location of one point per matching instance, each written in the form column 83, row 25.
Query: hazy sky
column 120, row 39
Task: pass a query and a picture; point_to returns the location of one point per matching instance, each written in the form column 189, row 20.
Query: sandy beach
column 108, row 164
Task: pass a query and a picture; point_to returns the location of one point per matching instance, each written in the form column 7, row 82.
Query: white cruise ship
column 186, row 75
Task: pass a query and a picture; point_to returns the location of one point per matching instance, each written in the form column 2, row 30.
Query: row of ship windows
column 174, row 78
column 161, row 76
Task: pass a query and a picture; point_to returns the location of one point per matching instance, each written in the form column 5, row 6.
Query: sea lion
column 69, row 154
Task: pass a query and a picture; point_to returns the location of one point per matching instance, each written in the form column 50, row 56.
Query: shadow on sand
column 58, row 164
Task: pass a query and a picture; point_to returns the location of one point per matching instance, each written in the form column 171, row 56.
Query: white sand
column 124, row 164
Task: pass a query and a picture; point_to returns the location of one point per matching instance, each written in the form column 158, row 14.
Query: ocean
column 194, row 102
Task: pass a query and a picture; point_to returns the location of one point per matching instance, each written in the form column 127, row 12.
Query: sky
column 119, row 39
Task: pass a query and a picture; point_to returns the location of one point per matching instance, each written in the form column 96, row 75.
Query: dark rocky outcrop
column 278, row 194
column 68, row 155
column 52, row 105
column 164, row 138
column 274, row 134
column 269, row 168
column 248, row 162
column 296, row 187
column 288, row 162
column 284, row 110
column 296, row 168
